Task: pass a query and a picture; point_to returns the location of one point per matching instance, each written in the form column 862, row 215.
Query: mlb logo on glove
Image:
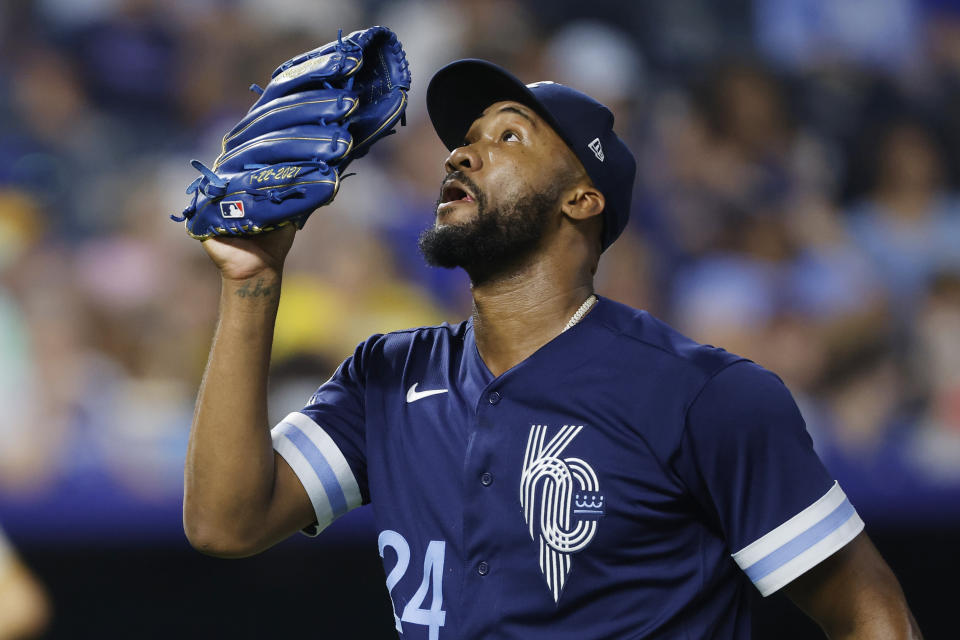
column 231, row 209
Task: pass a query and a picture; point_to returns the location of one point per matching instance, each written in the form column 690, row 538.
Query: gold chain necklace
column 578, row 316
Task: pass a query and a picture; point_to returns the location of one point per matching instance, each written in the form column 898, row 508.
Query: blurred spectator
column 936, row 364
column 808, row 33
column 317, row 16
column 354, row 294
column 908, row 223
column 727, row 152
column 127, row 60
column 602, row 61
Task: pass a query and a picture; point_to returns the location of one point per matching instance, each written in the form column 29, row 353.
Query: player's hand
column 243, row 258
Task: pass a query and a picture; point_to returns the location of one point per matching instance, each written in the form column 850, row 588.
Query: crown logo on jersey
column 561, row 502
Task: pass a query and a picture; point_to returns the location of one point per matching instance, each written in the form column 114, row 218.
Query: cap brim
column 459, row 93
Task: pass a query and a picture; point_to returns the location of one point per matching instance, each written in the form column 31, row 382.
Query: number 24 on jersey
column 414, row 613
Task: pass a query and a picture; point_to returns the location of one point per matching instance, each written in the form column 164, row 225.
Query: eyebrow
column 520, row 112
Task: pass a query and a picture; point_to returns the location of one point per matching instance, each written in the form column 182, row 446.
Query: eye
column 510, row 136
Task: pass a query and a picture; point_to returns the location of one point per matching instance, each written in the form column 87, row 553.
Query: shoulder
column 388, row 355
column 641, row 337
column 745, row 390
column 443, row 332
column 396, row 347
column 651, row 374
column 744, row 407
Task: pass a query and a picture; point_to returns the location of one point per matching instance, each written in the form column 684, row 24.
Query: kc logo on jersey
column 561, row 502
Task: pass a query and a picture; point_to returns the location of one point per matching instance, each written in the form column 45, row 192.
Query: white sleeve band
column 320, row 466
column 800, row 543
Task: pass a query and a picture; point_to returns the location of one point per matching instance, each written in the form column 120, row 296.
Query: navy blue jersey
column 622, row 482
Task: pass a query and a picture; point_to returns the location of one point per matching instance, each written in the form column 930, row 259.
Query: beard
column 497, row 241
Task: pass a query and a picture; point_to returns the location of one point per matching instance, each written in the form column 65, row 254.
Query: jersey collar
column 566, row 350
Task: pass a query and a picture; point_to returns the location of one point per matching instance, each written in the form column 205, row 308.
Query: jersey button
column 486, row 479
column 494, row 397
column 483, row 568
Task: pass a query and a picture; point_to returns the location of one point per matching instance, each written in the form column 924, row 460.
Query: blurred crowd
column 796, row 203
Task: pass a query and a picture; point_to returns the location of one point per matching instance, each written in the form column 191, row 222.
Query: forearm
column 854, row 595
column 880, row 615
column 887, row 624
column 229, row 472
column 881, row 630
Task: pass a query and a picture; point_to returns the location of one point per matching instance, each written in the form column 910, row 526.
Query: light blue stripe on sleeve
column 776, row 559
column 320, row 466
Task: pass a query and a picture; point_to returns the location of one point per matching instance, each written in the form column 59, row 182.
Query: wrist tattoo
column 259, row 290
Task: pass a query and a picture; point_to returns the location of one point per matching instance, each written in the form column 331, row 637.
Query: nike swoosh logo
column 413, row 395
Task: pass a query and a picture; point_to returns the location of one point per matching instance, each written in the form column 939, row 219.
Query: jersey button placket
column 483, row 568
column 486, row 479
column 494, row 397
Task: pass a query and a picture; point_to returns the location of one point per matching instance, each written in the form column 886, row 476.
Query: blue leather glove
column 320, row 111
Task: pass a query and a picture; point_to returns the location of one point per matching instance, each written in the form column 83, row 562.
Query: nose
column 463, row 158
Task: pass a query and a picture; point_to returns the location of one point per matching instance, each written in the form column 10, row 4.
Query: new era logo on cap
column 597, row 148
column 231, row 209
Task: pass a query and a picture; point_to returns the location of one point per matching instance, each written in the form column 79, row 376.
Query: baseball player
column 557, row 466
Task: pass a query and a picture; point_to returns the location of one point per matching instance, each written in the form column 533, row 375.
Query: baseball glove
column 321, row 110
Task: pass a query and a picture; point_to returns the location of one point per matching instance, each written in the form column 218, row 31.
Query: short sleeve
column 325, row 442
column 749, row 462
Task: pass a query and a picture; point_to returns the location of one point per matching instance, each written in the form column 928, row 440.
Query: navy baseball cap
column 460, row 92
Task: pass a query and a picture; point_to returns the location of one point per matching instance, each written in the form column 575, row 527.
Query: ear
column 583, row 201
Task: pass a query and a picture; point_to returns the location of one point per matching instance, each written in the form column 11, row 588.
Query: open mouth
column 453, row 191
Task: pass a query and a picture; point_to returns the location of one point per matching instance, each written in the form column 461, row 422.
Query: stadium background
column 796, row 202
